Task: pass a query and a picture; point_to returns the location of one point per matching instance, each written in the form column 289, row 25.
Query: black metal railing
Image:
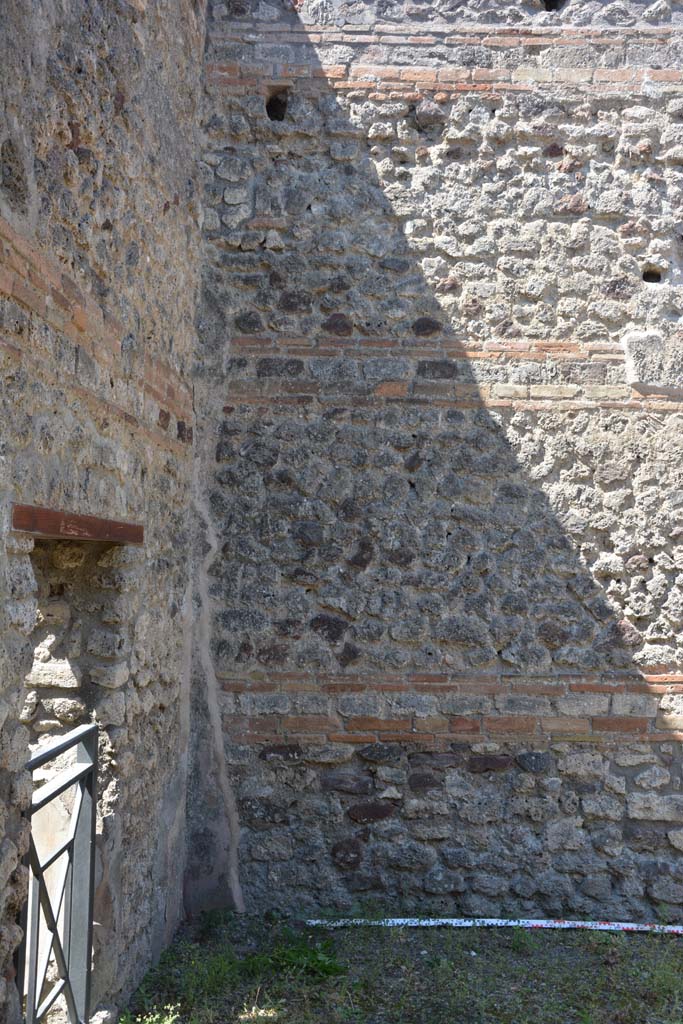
column 57, row 921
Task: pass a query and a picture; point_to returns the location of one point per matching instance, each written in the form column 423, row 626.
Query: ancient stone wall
column 441, row 440
column 436, row 651
column 99, row 226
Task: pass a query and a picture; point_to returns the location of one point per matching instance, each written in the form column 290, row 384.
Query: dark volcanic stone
column 426, row 325
column 423, row 781
column 489, row 763
column 347, row 853
column 260, row 814
column 395, row 263
column 288, row 627
column 295, row 302
column 365, row 882
column 272, row 654
column 261, row 454
column 270, row 367
column 553, row 634
column 370, row 810
column 282, row 752
column 400, row 555
column 628, row 633
column 338, row 324
column 362, row 556
column 437, row 369
column 644, row 838
column 248, row 322
column 349, row 654
column 308, row 532
column 329, row 626
column 347, row 782
column 535, row 761
column 381, row 753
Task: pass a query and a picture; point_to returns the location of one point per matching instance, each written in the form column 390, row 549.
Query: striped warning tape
column 495, row 922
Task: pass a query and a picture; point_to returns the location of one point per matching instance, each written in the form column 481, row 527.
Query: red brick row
column 37, row 282
column 318, row 728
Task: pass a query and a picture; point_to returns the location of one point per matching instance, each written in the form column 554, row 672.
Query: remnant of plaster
column 203, row 627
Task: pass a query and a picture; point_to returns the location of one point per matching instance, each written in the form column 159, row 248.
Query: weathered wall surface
column 441, row 447
column 98, row 256
column 455, row 13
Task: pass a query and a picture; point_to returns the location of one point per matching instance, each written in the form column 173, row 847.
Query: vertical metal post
column 32, row 951
column 66, row 911
column 83, row 883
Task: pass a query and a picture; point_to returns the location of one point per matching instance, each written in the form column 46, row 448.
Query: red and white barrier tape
column 496, row 922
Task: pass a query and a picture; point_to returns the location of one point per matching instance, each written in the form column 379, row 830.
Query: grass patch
column 230, row 970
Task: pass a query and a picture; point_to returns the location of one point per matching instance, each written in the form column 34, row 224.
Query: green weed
column 165, row 1015
column 523, row 941
column 298, row 954
column 239, row 971
column 193, row 975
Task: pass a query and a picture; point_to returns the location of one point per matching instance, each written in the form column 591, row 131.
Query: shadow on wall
column 81, row 663
column 442, row 520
